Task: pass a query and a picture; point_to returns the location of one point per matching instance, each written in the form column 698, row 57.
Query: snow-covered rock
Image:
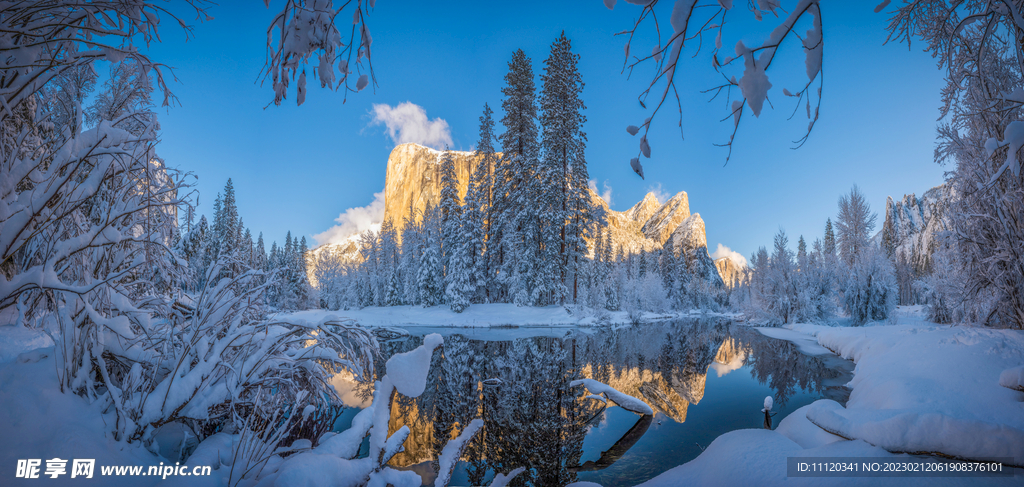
column 662, row 223
column 916, row 223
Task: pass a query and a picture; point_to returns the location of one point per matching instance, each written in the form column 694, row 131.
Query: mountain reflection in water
column 533, row 418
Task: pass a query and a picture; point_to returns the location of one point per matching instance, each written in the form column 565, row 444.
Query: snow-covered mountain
column 915, row 222
column 413, row 181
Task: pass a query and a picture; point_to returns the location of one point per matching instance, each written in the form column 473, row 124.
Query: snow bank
column 796, row 427
column 927, row 387
column 1013, row 378
column 40, row 422
column 918, row 432
column 482, row 315
column 16, row 340
column 626, row 401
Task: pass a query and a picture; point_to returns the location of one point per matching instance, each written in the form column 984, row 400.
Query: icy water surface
column 702, row 377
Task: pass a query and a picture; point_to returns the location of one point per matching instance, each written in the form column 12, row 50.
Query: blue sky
column 298, row 168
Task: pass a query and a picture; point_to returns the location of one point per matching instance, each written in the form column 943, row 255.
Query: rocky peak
column 642, row 211
column 689, row 235
column 690, row 240
column 662, row 223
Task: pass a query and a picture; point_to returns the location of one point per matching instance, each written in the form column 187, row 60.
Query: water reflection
column 533, row 418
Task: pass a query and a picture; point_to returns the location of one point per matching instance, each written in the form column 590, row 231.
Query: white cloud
column 407, row 122
column 659, row 193
column 606, row 190
column 736, row 257
column 354, row 221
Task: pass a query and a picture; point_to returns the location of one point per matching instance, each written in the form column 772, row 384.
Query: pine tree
column 829, row 243
column 451, row 211
column 801, row 253
column 229, row 221
column 569, row 208
column 216, row 228
column 888, row 230
column 430, row 269
column 516, row 183
column 478, row 217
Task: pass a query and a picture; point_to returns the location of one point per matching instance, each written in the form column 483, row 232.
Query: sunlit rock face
column 663, row 222
column 414, row 179
column 645, row 209
column 732, row 274
column 623, row 227
column 647, row 385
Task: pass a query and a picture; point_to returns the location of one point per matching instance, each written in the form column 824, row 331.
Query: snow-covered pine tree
column 829, row 243
column 871, row 292
column 460, row 284
column 888, row 230
column 228, row 233
column 451, row 212
column 388, row 264
column 516, row 199
column 478, row 209
column 412, row 249
column 801, row 254
column 569, row 207
column 429, row 272
column 260, row 254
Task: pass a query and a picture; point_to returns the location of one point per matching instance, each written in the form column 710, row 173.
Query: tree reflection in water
column 533, row 418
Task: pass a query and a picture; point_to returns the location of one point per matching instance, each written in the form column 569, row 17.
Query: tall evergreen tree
column 801, row 253
column 564, row 167
column 451, row 211
column 517, row 185
column 478, row 208
column 229, row 221
column 260, row 254
column 829, row 243
column 889, row 230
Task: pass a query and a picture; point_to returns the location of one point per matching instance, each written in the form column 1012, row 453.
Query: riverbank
column 917, row 387
column 494, row 315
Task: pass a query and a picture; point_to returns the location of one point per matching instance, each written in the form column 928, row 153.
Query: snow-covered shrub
column 645, row 293
column 870, row 292
column 219, row 361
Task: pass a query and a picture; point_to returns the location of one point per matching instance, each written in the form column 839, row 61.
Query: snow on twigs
column 408, row 371
column 626, row 401
column 501, row 480
column 453, row 450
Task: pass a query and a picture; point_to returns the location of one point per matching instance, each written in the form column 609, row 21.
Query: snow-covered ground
column 485, row 315
column 39, row 422
column 917, row 387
